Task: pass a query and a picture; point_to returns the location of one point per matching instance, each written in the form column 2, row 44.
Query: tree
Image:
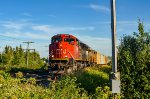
column 8, row 55
column 134, row 64
column 16, row 57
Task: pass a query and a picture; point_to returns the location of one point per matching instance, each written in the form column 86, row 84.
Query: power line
column 12, row 37
column 20, row 39
column 27, row 51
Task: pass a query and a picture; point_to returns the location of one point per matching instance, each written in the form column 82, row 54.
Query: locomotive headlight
column 52, row 55
column 66, row 56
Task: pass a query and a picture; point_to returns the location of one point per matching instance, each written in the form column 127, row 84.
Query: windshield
column 69, row 40
column 56, row 40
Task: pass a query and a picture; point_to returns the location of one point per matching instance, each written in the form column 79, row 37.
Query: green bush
column 91, row 83
column 134, row 64
column 1, row 78
column 68, row 89
column 19, row 74
column 102, row 93
column 14, row 88
column 31, row 80
column 92, row 77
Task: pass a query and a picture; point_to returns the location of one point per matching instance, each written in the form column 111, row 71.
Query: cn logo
column 64, row 51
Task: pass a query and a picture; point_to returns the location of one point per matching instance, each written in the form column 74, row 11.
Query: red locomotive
column 67, row 53
column 63, row 47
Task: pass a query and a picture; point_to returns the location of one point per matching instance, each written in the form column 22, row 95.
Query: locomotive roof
column 65, row 35
column 81, row 43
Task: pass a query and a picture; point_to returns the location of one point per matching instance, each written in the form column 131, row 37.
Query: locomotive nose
column 58, row 45
column 59, row 51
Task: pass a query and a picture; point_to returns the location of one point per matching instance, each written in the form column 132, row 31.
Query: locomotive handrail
column 70, row 54
column 51, row 52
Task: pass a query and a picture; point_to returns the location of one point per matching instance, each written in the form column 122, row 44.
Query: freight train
column 68, row 54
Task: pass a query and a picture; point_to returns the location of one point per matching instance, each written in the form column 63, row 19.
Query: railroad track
column 41, row 76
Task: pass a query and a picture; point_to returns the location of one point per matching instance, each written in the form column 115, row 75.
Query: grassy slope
column 92, row 77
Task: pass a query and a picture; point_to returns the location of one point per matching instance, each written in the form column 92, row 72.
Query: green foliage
column 1, row 78
column 26, row 89
column 16, row 57
column 95, row 80
column 19, row 74
column 67, row 88
column 134, row 64
column 103, row 93
column 31, row 80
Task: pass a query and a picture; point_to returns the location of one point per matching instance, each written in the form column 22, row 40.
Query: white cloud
column 123, row 26
column 25, row 30
column 14, row 25
column 51, row 15
column 53, row 29
column 36, row 36
column 27, row 35
column 42, row 48
column 44, row 28
column 11, row 25
column 131, row 23
column 99, row 8
column 27, row 14
column 12, row 34
column 147, row 25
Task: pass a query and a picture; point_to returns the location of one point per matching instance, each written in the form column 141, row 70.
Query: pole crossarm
column 27, row 51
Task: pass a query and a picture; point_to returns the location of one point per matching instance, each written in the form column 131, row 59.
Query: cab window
column 56, row 40
column 78, row 43
column 69, row 40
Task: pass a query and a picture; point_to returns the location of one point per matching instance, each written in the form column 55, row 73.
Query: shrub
column 31, row 80
column 67, row 88
column 93, row 77
column 1, row 78
column 134, row 64
column 19, row 74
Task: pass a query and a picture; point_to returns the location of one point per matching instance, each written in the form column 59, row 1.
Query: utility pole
column 115, row 76
column 2, row 55
column 48, row 54
column 113, row 29
column 27, row 51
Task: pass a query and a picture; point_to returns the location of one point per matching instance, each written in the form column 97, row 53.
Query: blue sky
column 89, row 20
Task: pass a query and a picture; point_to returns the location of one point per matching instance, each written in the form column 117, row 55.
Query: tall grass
column 91, row 78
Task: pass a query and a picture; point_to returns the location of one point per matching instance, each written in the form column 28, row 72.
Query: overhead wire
column 12, row 41
column 11, row 37
column 19, row 39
